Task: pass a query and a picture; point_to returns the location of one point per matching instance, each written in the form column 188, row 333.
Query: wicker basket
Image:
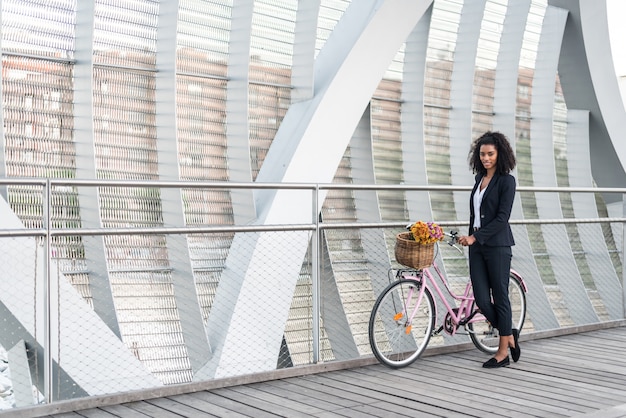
column 413, row 254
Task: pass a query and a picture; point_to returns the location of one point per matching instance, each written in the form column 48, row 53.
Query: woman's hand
column 466, row 240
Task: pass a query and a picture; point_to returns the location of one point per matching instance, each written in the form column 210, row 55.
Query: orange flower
column 426, row 232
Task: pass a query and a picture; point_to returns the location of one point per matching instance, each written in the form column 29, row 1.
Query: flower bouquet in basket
column 416, row 248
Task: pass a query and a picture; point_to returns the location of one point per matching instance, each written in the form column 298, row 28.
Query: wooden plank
column 487, row 394
column 376, row 390
column 254, row 398
column 151, row 410
column 171, row 405
column 581, row 366
column 234, row 404
column 559, row 376
column 422, row 391
column 369, row 395
column 554, row 384
column 316, row 393
column 507, row 385
column 96, row 413
column 193, row 401
column 302, row 396
column 123, row 411
column 524, row 385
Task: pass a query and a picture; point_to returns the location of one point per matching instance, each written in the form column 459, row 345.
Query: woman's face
column 488, row 156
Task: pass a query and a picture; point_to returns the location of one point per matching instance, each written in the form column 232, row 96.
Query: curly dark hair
column 506, row 157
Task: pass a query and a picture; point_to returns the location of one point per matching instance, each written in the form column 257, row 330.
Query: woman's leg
column 498, row 260
column 479, row 275
column 499, row 265
column 489, row 272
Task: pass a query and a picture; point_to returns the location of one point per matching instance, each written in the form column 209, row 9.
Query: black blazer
column 495, row 211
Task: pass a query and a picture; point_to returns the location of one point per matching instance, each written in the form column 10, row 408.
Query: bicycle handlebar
column 453, row 239
column 453, row 234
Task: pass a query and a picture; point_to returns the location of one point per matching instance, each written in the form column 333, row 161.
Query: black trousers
column 489, row 272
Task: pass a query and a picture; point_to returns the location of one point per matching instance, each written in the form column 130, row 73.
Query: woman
column 490, row 239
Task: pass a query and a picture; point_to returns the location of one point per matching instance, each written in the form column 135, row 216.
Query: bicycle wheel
column 398, row 332
column 483, row 335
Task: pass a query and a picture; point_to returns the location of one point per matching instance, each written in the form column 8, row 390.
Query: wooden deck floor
column 574, row 375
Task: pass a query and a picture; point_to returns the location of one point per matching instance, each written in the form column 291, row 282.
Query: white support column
column 304, row 50
column 596, row 252
column 185, row 293
column 3, row 163
column 334, row 314
column 585, row 58
column 555, row 237
column 413, row 151
column 623, row 231
column 461, row 95
column 586, row 73
column 86, row 167
column 505, row 103
column 237, row 131
column 80, row 337
column 21, row 377
column 367, row 203
column 307, row 148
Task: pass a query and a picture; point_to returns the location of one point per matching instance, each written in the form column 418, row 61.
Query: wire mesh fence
column 93, row 311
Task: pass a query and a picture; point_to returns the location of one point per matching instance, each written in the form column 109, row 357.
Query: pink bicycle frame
column 457, row 314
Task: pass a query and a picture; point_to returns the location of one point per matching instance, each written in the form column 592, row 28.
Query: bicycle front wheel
column 483, row 335
column 401, row 324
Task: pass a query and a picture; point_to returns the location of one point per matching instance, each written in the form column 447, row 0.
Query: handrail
column 287, row 186
column 316, row 226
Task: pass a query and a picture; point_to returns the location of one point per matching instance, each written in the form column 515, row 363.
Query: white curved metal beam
column 544, row 171
column 504, row 120
column 307, row 148
column 588, row 82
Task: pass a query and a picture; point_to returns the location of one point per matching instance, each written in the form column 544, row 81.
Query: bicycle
column 404, row 315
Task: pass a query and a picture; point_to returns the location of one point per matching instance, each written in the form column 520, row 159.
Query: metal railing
column 315, row 227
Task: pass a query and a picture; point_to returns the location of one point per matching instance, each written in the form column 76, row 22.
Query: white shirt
column 478, row 198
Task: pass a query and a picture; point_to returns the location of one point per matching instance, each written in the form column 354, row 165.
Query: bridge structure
column 181, row 206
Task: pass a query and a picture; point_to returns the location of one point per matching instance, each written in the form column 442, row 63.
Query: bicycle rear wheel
column 398, row 332
column 483, row 335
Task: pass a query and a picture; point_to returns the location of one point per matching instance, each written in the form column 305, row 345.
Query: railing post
column 316, row 240
column 623, row 257
column 47, row 298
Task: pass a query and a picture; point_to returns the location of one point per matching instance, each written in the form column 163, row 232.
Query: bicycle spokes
column 401, row 323
column 397, row 317
column 404, row 314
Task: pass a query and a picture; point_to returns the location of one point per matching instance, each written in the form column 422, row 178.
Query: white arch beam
column 461, row 89
column 308, row 148
column 185, row 294
column 237, row 131
column 594, row 245
column 334, row 314
column 504, row 103
column 555, row 237
column 78, row 337
column 88, row 197
column 585, row 70
column 304, row 50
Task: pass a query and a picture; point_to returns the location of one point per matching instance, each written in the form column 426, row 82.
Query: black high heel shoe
column 515, row 350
